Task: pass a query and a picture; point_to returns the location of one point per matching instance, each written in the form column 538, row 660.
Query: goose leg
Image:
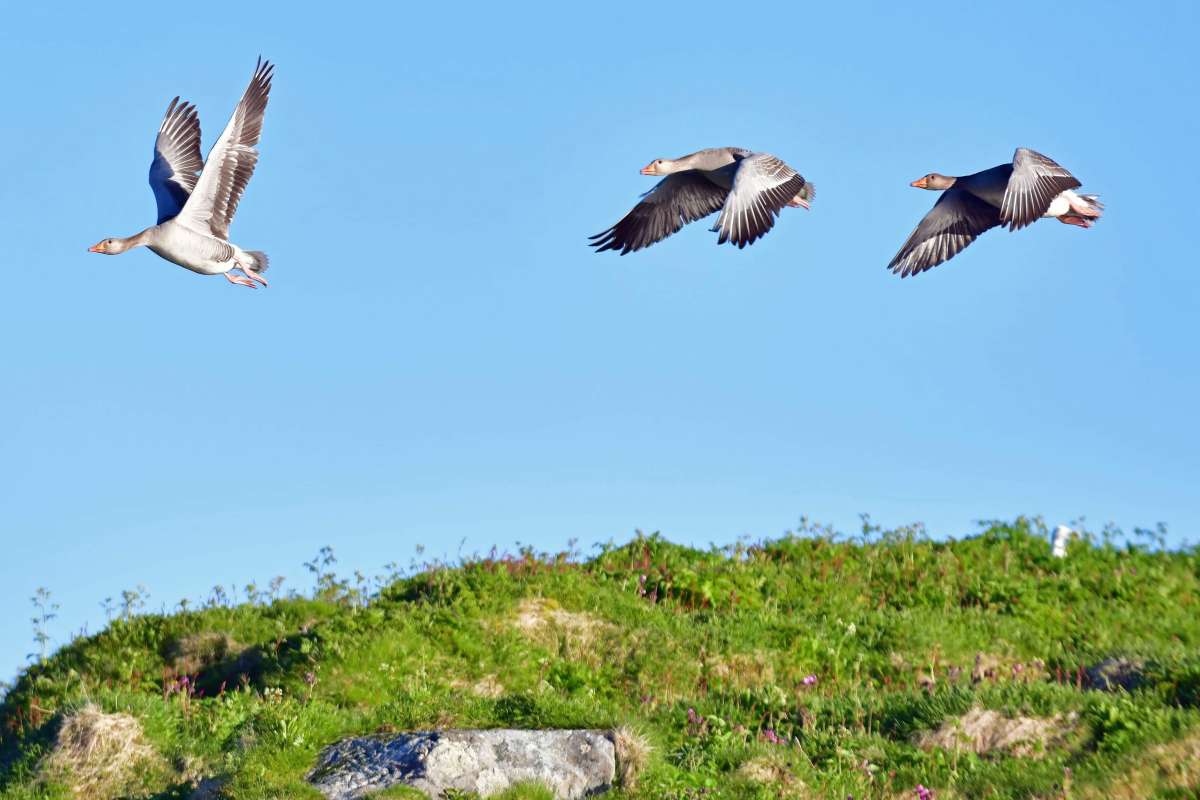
column 1083, row 209
column 249, row 273
column 254, row 276
column 239, row 280
column 1073, row 219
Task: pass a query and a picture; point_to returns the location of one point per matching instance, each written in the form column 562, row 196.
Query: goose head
column 659, row 166
column 934, row 181
column 110, row 247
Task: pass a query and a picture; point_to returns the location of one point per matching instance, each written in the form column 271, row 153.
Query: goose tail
column 259, row 260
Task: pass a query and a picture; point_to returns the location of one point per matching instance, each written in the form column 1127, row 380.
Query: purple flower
column 809, row 680
column 923, row 793
column 769, row 735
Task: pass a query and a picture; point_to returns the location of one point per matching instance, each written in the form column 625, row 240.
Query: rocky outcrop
column 571, row 763
column 984, row 731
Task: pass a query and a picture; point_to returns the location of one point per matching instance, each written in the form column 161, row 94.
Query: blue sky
column 440, row 357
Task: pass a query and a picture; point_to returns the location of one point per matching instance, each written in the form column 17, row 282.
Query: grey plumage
column 762, row 186
column 955, row 220
column 1033, row 185
column 232, row 160
column 194, row 211
column 674, row 202
column 1014, row 195
column 176, row 165
column 748, row 188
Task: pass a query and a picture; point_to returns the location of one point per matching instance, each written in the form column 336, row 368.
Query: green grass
column 703, row 652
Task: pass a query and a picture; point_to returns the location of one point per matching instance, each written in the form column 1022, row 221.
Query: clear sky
column 441, row 358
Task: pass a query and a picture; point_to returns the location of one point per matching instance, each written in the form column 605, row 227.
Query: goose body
column 195, row 210
column 1014, row 195
column 199, row 252
column 748, row 188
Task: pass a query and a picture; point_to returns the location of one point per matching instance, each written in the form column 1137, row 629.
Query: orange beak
column 649, row 169
column 95, row 249
column 920, row 183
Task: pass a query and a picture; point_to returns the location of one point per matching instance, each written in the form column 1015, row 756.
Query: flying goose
column 1014, row 195
column 194, row 211
column 749, row 189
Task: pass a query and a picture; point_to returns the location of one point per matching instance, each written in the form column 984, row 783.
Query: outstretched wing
column 1034, row 183
column 231, row 161
column 176, row 164
column 762, row 186
column 678, row 199
column 955, row 220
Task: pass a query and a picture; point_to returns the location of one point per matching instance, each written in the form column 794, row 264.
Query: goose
column 194, row 211
column 748, row 188
column 1014, row 195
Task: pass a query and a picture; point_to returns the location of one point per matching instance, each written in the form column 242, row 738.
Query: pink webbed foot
column 1072, row 219
column 255, row 276
column 240, row 281
column 796, row 202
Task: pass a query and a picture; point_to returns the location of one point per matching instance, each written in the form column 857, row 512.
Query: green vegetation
column 809, row 666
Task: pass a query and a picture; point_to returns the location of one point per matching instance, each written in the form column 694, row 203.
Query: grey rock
column 1112, row 674
column 208, row 789
column 571, row 763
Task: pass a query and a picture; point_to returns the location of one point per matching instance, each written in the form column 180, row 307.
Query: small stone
column 1112, row 674
column 207, row 789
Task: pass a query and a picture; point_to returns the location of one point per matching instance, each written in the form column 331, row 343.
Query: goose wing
column 231, row 161
column 676, row 200
column 176, row 164
column 1035, row 182
column 762, row 186
column 955, row 220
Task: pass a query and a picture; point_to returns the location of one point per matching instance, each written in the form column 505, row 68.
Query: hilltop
column 812, row 665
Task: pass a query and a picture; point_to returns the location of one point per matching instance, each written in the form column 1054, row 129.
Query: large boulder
column 571, row 763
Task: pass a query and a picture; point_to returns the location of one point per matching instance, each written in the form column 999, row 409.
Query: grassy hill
column 808, row 666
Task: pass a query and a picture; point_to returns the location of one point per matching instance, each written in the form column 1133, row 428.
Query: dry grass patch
column 192, row 654
column 770, row 771
column 543, row 621
column 984, row 731
column 488, row 686
column 98, row 755
column 1173, row 767
column 742, row 670
column 633, row 752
